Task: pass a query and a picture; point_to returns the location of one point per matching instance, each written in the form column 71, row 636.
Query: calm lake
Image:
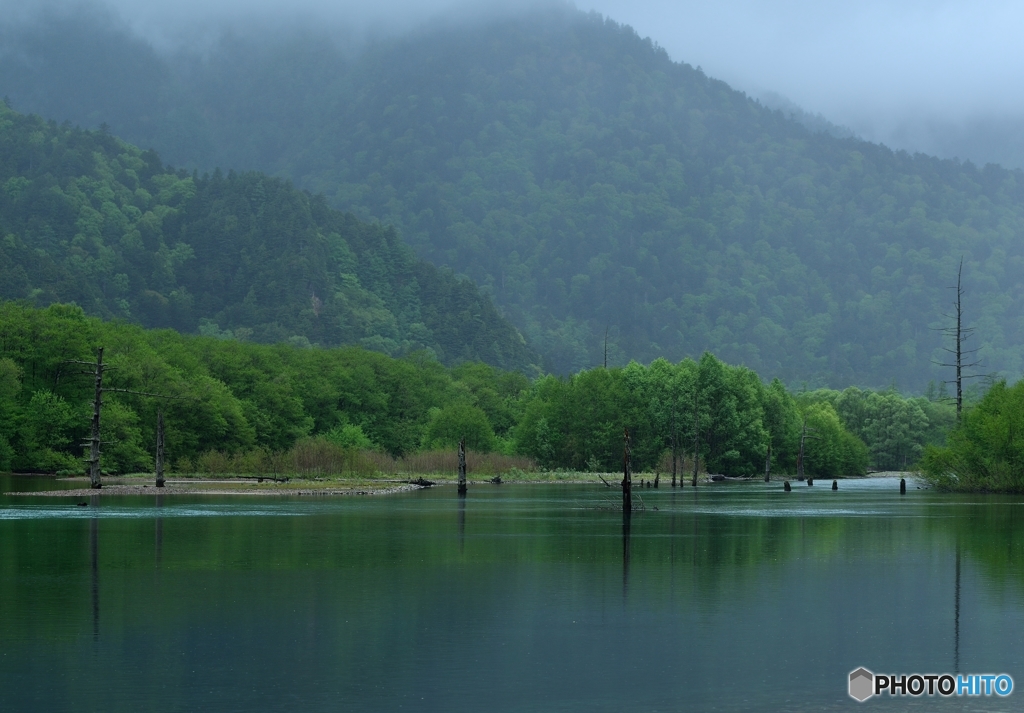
column 519, row 598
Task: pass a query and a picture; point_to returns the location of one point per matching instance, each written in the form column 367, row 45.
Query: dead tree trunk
column 462, row 467
column 768, row 464
column 159, row 449
column 696, row 438
column 98, row 367
column 959, row 344
column 960, row 334
column 804, row 435
column 627, row 474
column 94, row 440
column 800, row 455
column 675, row 442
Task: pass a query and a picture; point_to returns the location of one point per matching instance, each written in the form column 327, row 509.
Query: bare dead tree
column 462, row 467
column 159, row 448
column 768, row 463
column 959, row 333
column 696, row 437
column 675, row 439
column 94, row 442
column 800, row 456
column 627, row 474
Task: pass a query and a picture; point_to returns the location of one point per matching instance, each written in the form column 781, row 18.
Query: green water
column 518, row 598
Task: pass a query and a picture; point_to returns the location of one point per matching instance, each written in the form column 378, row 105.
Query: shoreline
column 249, row 485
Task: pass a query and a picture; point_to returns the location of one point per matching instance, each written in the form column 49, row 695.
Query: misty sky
column 904, row 72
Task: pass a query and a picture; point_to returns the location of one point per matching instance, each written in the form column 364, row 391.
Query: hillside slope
column 87, row 218
column 591, row 184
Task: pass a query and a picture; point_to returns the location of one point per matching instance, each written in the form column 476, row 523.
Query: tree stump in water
column 810, row 481
column 835, row 485
column 786, row 486
column 903, row 486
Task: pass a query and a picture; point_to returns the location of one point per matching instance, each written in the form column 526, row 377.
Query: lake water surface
column 519, row 598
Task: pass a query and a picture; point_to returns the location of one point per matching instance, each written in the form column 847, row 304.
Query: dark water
column 520, row 598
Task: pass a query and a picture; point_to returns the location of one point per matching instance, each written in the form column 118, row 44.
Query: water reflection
column 94, row 551
column 556, row 588
column 627, row 524
column 462, row 522
column 159, row 531
column 956, row 613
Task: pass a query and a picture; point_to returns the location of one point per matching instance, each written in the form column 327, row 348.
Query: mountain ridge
column 88, row 218
column 593, row 186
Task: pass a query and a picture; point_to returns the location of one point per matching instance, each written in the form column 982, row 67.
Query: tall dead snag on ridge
column 627, row 474
column 462, row 467
column 959, row 333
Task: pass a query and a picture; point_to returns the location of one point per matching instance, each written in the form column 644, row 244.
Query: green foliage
column 986, row 451
column 571, row 168
column 47, row 432
column 87, row 218
column 725, row 412
column 897, row 428
column 449, row 425
column 228, row 397
column 782, row 421
column 126, row 451
column 831, row 450
column 348, row 435
column 236, row 404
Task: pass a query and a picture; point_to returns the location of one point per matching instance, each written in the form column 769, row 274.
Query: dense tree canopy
column 724, row 413
column 237, row 397
column 588, row 182
column 986, row 450
column 230, row 396
column 87, row 218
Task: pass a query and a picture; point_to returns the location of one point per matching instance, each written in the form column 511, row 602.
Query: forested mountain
column 589, row 183
column 87, row 218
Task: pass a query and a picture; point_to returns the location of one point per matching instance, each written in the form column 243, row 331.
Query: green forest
column 232, row 397
column 585, row 181
column 87, row 218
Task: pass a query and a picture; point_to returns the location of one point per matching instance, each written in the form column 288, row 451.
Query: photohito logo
column 864, row 684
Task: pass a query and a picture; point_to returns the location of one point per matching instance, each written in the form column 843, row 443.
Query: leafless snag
column 94, row 442
column 627, row 474
column 462, row 467
column 800, row 456
column 960, row 334
column 696, row 436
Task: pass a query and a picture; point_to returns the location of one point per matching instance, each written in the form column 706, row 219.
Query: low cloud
column 911, row 73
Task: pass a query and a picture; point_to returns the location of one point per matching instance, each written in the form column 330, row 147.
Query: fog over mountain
column 944, row 78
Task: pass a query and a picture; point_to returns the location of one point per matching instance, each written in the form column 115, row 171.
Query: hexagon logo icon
column 862, row 683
